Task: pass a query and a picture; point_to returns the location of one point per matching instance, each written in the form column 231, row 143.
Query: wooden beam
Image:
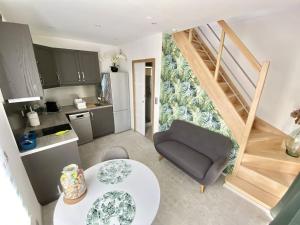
column 251, row 115
column 237, row 41
column 190, row 35
column 219, row 57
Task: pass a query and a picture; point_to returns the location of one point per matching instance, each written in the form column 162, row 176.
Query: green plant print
column 181, row 97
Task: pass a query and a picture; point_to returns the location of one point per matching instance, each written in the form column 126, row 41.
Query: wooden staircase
column 263, row 171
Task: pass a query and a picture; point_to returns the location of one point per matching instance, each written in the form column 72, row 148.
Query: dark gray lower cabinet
column 102, row 121
column 44, row 169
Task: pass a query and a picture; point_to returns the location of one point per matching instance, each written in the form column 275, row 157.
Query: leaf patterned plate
column 114, row 172
column 113, row 208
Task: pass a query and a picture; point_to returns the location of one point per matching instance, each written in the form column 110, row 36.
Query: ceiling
column 120, row 21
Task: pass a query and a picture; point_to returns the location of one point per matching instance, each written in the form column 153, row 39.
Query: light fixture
column 149, row 17
column 174, row 30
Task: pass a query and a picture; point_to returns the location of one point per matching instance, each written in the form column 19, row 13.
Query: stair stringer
column 208, row 83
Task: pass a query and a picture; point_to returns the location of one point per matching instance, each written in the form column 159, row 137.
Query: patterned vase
column 73, row 183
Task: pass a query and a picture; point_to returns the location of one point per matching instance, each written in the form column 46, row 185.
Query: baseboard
column 267, row 211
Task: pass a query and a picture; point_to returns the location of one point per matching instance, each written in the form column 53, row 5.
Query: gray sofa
column 200, row 153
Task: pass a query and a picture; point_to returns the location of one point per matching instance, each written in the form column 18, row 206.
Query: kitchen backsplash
column 65, row 95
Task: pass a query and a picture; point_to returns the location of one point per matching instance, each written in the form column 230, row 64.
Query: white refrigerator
column 121, row 100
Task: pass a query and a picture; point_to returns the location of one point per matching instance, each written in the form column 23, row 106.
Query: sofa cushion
column 207, row 142
column 189, row 160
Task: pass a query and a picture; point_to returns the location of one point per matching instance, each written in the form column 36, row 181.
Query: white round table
column 141, row 184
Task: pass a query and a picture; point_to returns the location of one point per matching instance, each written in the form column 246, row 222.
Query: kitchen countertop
column 51, row 119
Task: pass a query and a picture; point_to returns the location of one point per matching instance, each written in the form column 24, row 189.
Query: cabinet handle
column 78, row 76
column 58, row 78
column 83, row 78
column 92, row 115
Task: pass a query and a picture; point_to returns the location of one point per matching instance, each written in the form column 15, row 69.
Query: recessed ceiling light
column 149, row 17
column 174, row 30
column 97, row 25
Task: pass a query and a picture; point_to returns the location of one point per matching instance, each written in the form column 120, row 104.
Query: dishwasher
column 81, row 123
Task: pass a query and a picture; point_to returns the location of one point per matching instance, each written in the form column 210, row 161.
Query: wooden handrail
column 237, row 41
column 219, row 57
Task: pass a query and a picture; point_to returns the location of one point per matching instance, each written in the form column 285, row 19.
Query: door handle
column 83, row 78
column 78, row 76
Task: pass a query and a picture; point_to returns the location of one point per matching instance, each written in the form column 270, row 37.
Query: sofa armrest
column 214, row 171
column 161, row 136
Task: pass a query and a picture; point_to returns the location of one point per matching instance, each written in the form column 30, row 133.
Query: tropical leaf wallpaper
column 181, row 97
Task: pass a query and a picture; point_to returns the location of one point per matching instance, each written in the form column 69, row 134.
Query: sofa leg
column 160, row 157
column 202, row 188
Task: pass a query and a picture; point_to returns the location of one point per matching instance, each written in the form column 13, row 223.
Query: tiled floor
column 181, row 202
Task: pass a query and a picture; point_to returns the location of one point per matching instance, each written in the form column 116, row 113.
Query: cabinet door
column 102, row 121
column 46, row 66
column 19, row 77
column 67, row 66
column 89, row 65
column 44, row 169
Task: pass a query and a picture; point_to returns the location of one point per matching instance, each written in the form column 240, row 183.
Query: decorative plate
column 113, row 208
column 114, row 172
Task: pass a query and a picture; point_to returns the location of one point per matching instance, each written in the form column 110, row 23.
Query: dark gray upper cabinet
column 89, row 67
column 46, row 66
column 77, row 67
column 67, row 66
column 102, row 121
column 19, row 77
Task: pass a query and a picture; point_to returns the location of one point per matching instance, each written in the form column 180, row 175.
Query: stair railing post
column 251, row 115
column 190, row 34
column 219, row 57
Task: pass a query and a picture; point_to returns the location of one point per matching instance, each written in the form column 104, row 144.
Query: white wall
column 17, row 170
column 148, row 47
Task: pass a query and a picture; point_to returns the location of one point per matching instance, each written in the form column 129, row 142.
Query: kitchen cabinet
column 19, row 77
column 89, row 67
column 102, row 121
column 46, row 66
column 44, row 169
column 67, row 67
column 77, row 67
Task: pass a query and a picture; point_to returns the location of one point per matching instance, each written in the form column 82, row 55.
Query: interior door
column 139, row 84
column 68, row 67
column 89, row 65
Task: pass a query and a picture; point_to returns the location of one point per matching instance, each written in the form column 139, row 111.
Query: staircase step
column 203, row 55
column 282, row 178
column 277, row 161
column 244, row 115
column 224, row 86
column 262, row 181
column 252, row 192
column 258, row 135
column 211, row 66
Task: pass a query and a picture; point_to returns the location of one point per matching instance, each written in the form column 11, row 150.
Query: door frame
column 152, row 60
